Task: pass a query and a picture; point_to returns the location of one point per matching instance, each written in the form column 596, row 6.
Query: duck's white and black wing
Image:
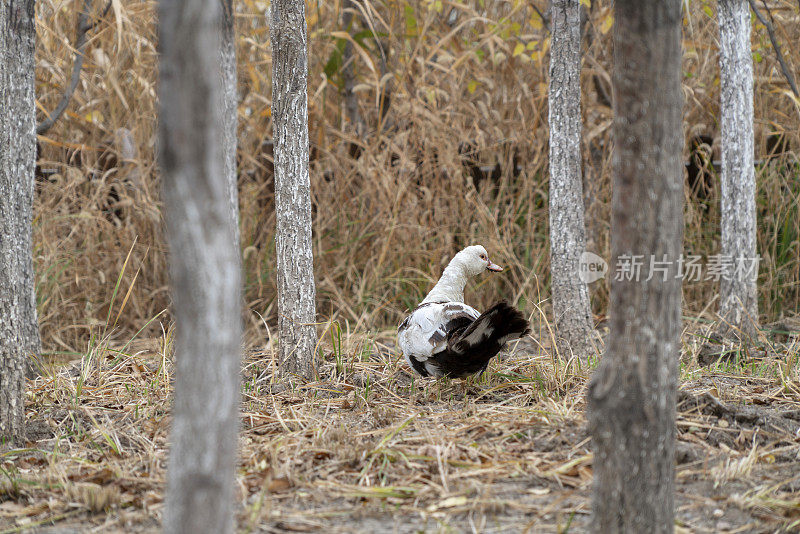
column 425, row 332
column 453, row 339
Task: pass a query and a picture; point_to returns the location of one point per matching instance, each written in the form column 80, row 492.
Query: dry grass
column 367, row 447
column 386, row 222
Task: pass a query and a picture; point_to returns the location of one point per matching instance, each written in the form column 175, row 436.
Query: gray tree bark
column 204, row 268
column 296, row 291
column 572, row 311
column 348, row 72
column 631, row 397
column 738, row 298
column 19, row 328
column 230, row 110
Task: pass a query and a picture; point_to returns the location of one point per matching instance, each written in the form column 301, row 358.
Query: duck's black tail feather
column 470, row 349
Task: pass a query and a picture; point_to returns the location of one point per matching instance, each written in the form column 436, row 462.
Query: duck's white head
column 470, row 262
column 474, row 260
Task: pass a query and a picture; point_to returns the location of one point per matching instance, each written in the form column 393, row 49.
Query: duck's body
column 445, row 337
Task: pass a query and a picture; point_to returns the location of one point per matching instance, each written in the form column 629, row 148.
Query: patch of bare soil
column 370, row 448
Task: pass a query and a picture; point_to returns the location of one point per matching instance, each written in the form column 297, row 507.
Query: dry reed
column 386, row 222
column 366, row 446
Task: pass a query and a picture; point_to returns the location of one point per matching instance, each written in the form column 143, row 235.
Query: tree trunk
column 738, row 298
column 632, row 394
column 19, row 329
column 230, row 110
column 204, row 268
column 348, row 72
column 572, row 311
column 296, row 292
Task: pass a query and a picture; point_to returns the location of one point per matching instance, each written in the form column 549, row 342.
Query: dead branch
column 83, row 27
column 545, row 19
column 775, row 45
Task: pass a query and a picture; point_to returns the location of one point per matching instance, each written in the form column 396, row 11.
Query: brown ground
column 370, row 449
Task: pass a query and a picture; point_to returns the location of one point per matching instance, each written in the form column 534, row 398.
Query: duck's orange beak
column 494, row 267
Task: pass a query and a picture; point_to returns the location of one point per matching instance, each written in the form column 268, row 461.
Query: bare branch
column 775, row 45
column 83, row 27
column 542, row 16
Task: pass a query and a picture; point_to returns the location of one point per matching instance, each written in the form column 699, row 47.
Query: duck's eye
column 483, row 256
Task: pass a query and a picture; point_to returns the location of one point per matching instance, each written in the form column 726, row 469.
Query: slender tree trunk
column 572, row 311
column 230, row 117
column 19, row 329
column 204, row 268
column 348, row 72
column 296, row 291
column 632, row 394
column 738, row 297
